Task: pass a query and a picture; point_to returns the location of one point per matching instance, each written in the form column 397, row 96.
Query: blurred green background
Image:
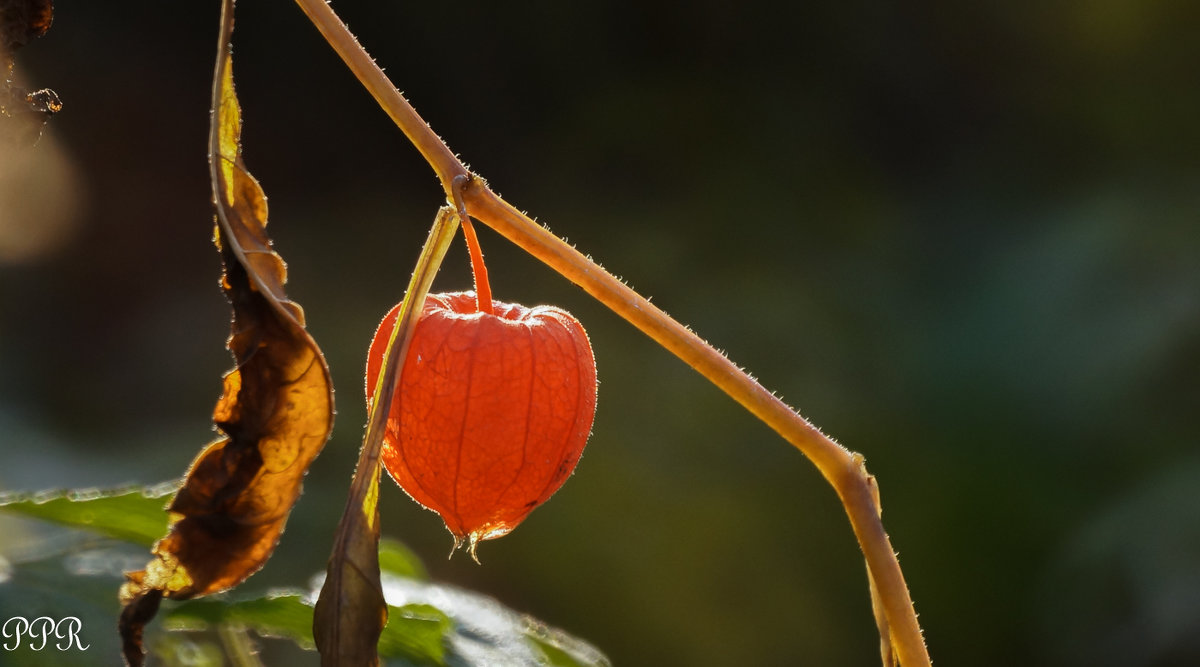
column 961, row 238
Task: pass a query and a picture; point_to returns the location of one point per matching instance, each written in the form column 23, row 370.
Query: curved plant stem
column 483, row 289
column 843, row 469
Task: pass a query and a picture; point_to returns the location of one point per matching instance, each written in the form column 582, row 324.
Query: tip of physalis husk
column 470, row 541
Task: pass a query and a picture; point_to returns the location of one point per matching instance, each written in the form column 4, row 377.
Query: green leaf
column 416, row 633
column 397, row 559
column 285, row 614
column 484, row 632
column 429, row 624
column 132, row 514
column 560, row 648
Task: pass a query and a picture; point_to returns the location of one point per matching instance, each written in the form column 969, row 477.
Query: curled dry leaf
column 351, row 612
column 276, row 411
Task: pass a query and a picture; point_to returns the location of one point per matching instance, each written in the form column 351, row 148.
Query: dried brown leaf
column 276, row 411
column 351, row 612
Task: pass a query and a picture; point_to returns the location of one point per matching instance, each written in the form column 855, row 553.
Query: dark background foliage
column 960, row 237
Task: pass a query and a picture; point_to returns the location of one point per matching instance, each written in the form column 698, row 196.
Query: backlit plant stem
column 843, row 469
column 483, row 289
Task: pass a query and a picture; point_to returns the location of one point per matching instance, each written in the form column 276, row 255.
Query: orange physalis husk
column 492, row 412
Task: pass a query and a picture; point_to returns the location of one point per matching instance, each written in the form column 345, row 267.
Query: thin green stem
column 842, row 468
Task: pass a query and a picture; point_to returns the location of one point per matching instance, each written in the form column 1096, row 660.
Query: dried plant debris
column 276, row 411
column 23, row 113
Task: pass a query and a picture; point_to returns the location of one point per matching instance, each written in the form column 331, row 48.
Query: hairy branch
column 842, row 468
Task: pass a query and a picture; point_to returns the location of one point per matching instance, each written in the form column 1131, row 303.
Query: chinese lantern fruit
column 492, row 411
